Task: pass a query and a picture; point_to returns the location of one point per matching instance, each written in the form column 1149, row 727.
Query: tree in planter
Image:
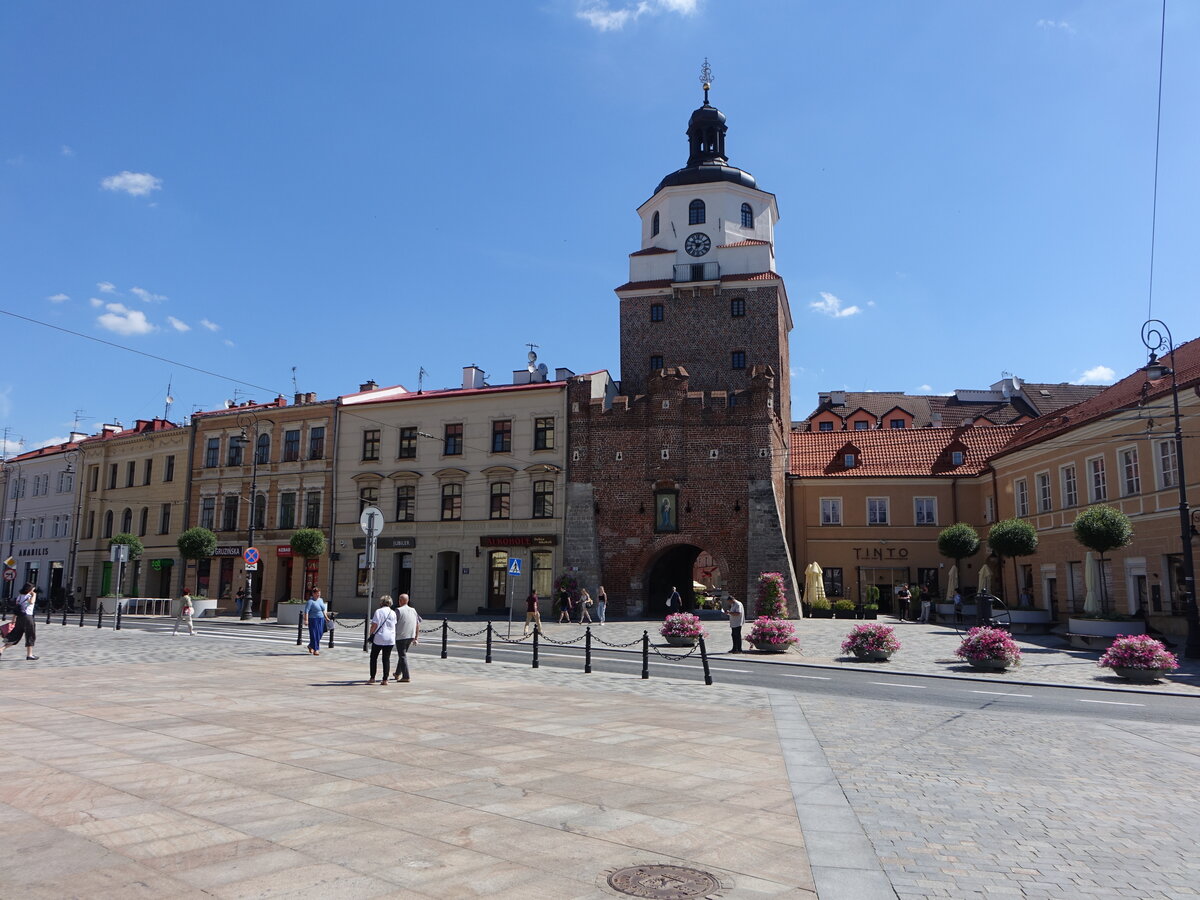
column 1102, row 529
column 309, row 543
column 131, row 541
column 196, row 544
column 772, row 596
column 958, row 542
column 1010, row 538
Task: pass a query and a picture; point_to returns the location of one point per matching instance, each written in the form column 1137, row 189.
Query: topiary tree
column 1103, row 528
column 195, row 544
column 308, row 542
column 1010, row 538
column 131, row 541
column 958, row 542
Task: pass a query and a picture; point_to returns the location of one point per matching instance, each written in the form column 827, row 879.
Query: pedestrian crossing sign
column 514, row 566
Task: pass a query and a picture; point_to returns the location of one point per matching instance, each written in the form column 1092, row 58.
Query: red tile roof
column 142, row 427
column 746, row 243
column 644, row 285
column 667, row 282
column 40, row 452
column 893, row 452
column 757, row 276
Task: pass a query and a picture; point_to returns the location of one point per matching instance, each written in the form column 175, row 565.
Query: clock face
column 697, row 244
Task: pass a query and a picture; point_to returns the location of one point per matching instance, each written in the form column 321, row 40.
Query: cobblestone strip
column 844, row 864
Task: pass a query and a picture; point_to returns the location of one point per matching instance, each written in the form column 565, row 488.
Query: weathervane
column 706, row 78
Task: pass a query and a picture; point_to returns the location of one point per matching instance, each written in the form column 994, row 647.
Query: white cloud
column 211, row 326
column 136, row 184
column 51, row 441
column 1051, row 25
column 145, row 296
column 1098, row 375
column 58, row 298
column 603, row 17
column 106, row 287
column 67, row 151
column 122, row 320
column 229, row 343
column 96, row 301
column 926, row 389
column 832, row 306
column 177, row 324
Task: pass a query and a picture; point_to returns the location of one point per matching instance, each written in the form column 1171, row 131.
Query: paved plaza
column 146, row 765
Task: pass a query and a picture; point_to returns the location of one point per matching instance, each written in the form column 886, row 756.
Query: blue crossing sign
column 514, row 566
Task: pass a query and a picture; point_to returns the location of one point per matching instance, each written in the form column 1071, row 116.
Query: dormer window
column 747, row 216
column 851, row 460
column 696, row 212
column 956, row 458
column 654, row 225
column 824, row 426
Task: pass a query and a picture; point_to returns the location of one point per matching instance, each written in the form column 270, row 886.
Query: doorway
column 447, row 581
column 402, row 573
column 672, row 569
column 497, row 597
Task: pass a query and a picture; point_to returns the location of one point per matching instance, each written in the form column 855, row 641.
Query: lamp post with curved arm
column 13, row 485
column 72, row 457
column 1157, row 337
column 250, row 420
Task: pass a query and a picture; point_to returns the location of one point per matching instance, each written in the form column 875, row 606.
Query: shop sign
column 881, row 553
column 519, row 540
column 159, row 564
column 383, row 543
column 284, row 551
column 34, row 551
column 228, row 551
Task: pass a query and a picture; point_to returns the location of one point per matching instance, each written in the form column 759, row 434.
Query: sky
column 309, row 195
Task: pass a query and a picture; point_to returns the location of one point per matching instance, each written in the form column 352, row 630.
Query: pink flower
column 1138, row 651
column 989, row 643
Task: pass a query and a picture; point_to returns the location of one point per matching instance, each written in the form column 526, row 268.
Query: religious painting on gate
column 666, row 511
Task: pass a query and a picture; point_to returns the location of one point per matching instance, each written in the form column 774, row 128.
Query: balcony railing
column 706, row 271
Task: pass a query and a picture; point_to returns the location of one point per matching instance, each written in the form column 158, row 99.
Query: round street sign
column 250, row 556
column 371, row 520
column 10, row 574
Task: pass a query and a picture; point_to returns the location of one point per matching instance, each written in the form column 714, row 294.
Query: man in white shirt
column 408, row 629
column 737, row 617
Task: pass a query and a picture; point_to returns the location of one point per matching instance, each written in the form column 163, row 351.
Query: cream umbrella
column 985, row 580
column 1091, row 581
column 952, row 582
column 814, row 584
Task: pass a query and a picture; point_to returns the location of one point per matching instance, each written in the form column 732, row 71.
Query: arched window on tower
column 654, row 225
column 747, row 216
column 696, row 212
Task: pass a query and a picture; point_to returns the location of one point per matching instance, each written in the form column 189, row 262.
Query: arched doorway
column 676, row 567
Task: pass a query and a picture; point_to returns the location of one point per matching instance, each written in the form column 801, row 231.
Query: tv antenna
column 295, row 384
column 421, row 379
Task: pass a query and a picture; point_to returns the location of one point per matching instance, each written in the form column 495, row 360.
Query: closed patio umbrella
column 1091, row 582
column 985, row 579
column 814, row 584
column 952, row 582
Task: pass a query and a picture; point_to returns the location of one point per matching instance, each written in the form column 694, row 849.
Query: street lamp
column 250, row 420
column 16, row 490
column 1156, row 336
column 72, row 457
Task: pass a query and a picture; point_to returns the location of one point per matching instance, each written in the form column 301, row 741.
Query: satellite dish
column 532, row 356
column 229, row 404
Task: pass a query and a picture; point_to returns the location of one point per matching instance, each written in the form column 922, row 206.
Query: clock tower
column 703, row 293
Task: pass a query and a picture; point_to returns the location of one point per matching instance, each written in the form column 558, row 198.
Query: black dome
column 707, row 175
column 707, row 162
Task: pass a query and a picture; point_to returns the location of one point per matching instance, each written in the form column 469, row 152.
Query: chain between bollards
column 645, row 654
column 445, row 635
column 117, row 624
column 535, row 648
column 704, row 661
column 487, row 656
column 587, row 651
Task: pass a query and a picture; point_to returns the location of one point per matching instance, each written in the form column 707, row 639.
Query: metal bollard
column 535, row 648
column 81, row 612
column 366, row 633
column 587, row 651
column 445, row 635
column 48, row 605
column 64, row 614
column 704, row 661
column 329, row 625
column 99, row 615
column 300, row 631
column 645, row 654
column 117, row 625
column 487, row 656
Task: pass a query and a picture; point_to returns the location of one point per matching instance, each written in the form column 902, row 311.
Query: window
column 451, row 502
column 1021, row 497
column 1097, row 480
column 541, row 563
column 93, row 477
column 164, row 519
column 502, row 436
column 850, row 460
column 112, row 477
column 877, row 510
column 262, row 449
column 312, row 509
column 861, row 424
column 291, row 445
column 824, row 426
column 130, row 473
column 208, row 512
column 1131, row 479
column 737, row 359
column 543, row 433
column 656, row 312
column 408, row 443
column 543, row 499
column 1045, row 504
column 896, row 423
column 654, row 224
column 1168, row 465
column 832, row 577
column 233, row 456
column 501, row 492
column 370, row 444
column 696, row 212
column 1070, row 486
column 925, row 510
column 656, row 363
column 367, row 496
column 747, row 216
column 91, row 525
column 406, row 503
column 831, row 510
column 169, row 468
column 144, row 521
column 452, row 444
column 212, row 453
column 316, row 442
column 127, row 521
column 260, row 511
column 956, row 458
column 737, row 307
column 287, row 510
column 229, row 513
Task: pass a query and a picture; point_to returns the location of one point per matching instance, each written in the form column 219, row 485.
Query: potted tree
column 308, row 543
column 957, row 542
column 821, row 608
column 1102, row 529
column 1009, row 538
column 196, row 544
column 843, row 609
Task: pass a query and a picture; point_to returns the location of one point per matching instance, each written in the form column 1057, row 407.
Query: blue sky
column 363, row 189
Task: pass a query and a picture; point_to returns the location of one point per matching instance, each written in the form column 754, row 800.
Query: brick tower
column 679, row 473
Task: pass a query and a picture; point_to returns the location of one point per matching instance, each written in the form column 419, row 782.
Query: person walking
column 315, row 611
column 408, row 632
column 585, row 600
column 926, row 604
column 383, row 637
column 241, row 601
column 564, row 606
column 903, row 595
column 601, row 605
column 737, row 618
column 186, row 611
column 25, row 626
column 957, row 600
column 674, row 602
column 532, row 613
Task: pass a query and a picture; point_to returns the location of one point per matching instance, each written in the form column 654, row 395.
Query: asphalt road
column 923, row 690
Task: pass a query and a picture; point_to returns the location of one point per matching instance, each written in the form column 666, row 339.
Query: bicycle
column 1000, row 617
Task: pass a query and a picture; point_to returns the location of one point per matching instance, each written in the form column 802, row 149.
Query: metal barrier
column 118, row 622
column 487, row 656
column 645, row 654
column 100, row 615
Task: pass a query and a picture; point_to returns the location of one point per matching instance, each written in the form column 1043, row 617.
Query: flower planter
column 678, row 640
column 764, row 647
column 202, row 606
column 822, row 614
column 874, row 655
column 844, row 614
column 1139, row 676
column 1029, row 621
column 989, row 665
column 289, row 613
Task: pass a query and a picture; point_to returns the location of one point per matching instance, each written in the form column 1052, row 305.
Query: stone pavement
column 217, row 766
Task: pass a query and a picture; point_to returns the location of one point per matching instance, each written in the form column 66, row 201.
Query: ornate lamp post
column 15, row 488
column 72, row 457
column 1156, row 336
column 250, row 420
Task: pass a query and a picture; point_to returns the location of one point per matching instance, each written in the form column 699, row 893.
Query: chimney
column 310, row 397
column 837, row 398
column 298, row 399
column 109, row 429
column 473, row 377
column 368, row 386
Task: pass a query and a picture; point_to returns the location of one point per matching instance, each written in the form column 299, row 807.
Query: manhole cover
column 663, row 882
